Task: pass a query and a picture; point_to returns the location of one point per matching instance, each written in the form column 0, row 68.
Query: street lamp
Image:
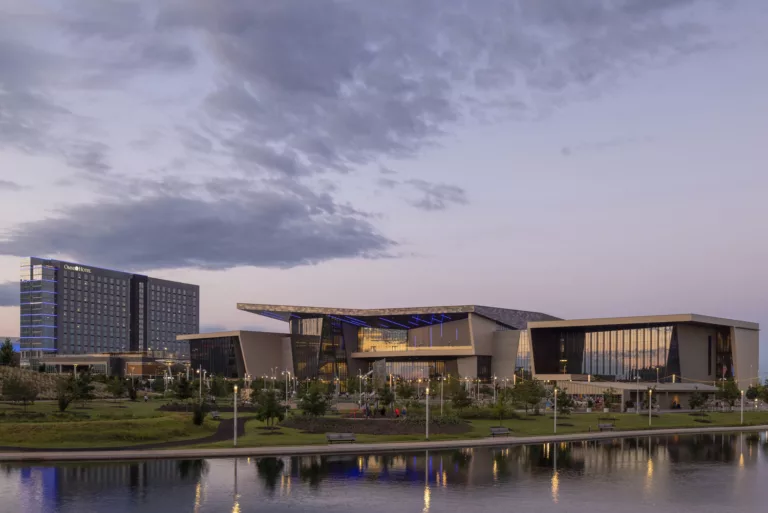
column 650, row 405
column 427, row 423
column 442, row 380
column 494, row 389
column 235, row 409
column 286, row 373
column 742, row 406
column 555, row 408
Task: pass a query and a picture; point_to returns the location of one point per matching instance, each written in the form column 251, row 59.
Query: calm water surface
column 705, row 473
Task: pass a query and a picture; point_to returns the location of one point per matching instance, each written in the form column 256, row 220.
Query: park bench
column 606, row 427
column 499, row 431
column 340, row 437
column 215, row 415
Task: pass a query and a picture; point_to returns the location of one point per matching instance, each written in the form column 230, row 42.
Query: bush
column 445, row 420
column 198, row 414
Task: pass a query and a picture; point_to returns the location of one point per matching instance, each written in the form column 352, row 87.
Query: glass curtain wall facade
column 379, row 339
column 621, row 355
column 38, row 305
column 218, row 355
column 524, row 356
column 410, row 370
column 318, row 349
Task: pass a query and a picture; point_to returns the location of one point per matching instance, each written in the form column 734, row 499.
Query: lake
column 701, row 473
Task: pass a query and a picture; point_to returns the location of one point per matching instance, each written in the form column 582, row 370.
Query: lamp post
column 657, row 375
column 555, row 408
column 650, row 405
column 442, row 380
column 427, row 422
column 742, row 406
column 235, row 410
column 286, row 373
column 478, row 389
column 494, row 389
column 637, row 403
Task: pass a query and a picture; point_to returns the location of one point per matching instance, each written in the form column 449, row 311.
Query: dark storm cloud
column 9, row 293
column 269, row 228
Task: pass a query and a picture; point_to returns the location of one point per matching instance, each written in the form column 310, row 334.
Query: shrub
column 198, row 414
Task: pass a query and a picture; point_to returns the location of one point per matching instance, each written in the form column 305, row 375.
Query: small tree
column 7, row 353
column 132, row 394
column 314, row 402
column 728, row 392
column 269, row 408
column 653, row 396
column 198, row 414
column 405, row 391
column 500, row 408
column 84, row 387
column 158, row 385
column 461, row 399
column 66, row 392
column 609, row 397
column 753, row 392
column 116, row 387
column 19, row 390
column 530, row 393
column 219, row 387
column 386, row 396
column 183, row 388
column 564, row 401
column 697, row 400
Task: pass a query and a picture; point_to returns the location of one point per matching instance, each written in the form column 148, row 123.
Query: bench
column 215, row 415
column 340, row 437
column 606, row 427
column 499, row 431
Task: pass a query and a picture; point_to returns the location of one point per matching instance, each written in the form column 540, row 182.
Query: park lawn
column 104, row 433
column 97, row 409
column 533, row 425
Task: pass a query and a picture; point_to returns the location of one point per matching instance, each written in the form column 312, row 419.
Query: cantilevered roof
column 645, row 320
column 398, row 318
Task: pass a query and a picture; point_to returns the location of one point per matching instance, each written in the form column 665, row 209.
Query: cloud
column 604, row 145
column 284, row 93
column 274, row 227
column 9, row 293
column 7, row 185
column 437, row 196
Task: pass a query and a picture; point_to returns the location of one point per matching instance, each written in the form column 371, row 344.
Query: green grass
column 103, row 433
column 531, row 426
column 95, row 410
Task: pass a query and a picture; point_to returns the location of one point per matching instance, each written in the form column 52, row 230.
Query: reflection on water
column 709, row 472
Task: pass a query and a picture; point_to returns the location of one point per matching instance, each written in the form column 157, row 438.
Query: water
column 704, row 473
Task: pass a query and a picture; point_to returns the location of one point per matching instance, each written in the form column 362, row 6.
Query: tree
column 753, row 392
column 609, row 397
column 405, row 390
column 84, row 387
column 19, row 390
column 564, row 401
column 116, row 387
column 269, row 408
column 219, row 387
column 500, row 408
column 66, row 392
column 530, row 393
column 728, row 392
column 386, row 396
column 132, row 394
column 158, row 385
column 183, row 388
column 314, row 402
column 461, row 399
column 697, row 400
column 7, row 354
column 654, row 398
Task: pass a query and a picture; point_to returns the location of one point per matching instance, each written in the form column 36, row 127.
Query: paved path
column 301, row 450
column 223, row 433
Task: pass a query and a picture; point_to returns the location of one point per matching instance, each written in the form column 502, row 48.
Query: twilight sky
column 580, row 158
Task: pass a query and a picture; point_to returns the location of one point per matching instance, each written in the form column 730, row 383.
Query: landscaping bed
column 378, row 426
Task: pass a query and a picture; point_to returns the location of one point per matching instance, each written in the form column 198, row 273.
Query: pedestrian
column 404, row 412
column 397, row 413
column 146, row 398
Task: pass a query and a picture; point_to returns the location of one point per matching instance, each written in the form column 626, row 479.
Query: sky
column 582, row 159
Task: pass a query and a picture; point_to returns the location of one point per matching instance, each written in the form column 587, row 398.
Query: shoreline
column 367, row 448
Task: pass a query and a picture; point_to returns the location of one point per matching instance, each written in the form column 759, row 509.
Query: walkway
column 303, row 450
